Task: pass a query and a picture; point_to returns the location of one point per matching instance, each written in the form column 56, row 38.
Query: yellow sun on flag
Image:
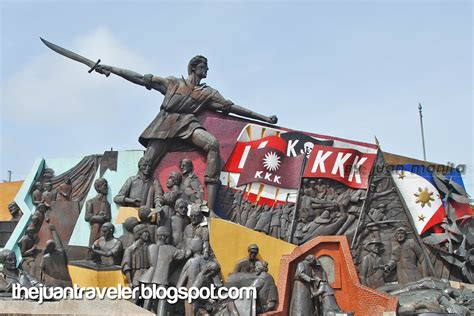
column 424, row 197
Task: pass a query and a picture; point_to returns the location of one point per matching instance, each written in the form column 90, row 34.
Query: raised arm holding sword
column 184, row 99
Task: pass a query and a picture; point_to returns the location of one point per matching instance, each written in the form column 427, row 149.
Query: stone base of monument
column 431, row 314
column 86, row 273
column 71, row 307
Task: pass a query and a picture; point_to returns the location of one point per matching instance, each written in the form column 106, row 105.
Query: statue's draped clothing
column 177, row 117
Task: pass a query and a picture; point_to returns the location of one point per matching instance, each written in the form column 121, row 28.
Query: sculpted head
column 174, row 178
column 31, row 231
column 141, row 232
column 8, row 259
column 144, row 214
column 39, row 186
column 181, row 206
column 401, row 234
column 13, row 208
column 107, row 230
column 312, row 260
column 163, row 234
column 196, row 215
column 374, row 246
column 48, row 186
column 186, row 166
column 253, row 251
column 50, row 247
column 261, row 266
column 42, row 208
column 101, row 186
column 144, row 166
column 130, row 223
column 198, row 66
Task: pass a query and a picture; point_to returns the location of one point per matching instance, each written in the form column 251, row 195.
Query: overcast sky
column 352, row 69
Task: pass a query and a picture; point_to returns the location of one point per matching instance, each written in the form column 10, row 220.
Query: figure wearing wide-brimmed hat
column 248, row 264
column 405, row 257
column 371, row 270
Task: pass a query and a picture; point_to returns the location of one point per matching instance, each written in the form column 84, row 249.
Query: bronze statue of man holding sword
column 184, row 99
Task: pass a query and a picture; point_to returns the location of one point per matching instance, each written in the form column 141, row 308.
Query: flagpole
column 293, row 219
column 367, row 196
column 422, row 131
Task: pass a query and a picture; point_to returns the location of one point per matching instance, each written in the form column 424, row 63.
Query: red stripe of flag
column 241, row 150
column 437, row 218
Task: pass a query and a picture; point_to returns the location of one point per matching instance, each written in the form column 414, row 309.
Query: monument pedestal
column 72, row 307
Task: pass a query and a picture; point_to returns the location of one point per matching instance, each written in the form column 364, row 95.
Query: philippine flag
column 421, row 196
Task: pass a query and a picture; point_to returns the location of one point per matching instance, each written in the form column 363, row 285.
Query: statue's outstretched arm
column 148, row 81
column 226, row 106
column 239, row 110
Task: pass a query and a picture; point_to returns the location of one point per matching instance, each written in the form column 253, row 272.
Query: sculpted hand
column 103, row 69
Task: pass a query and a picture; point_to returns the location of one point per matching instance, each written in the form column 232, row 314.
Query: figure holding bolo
column 184, row 99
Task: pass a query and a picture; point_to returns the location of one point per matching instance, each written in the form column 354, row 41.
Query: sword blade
column 68, row 53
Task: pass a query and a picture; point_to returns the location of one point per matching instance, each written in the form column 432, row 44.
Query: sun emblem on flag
column 271, row 162
column 424, row 197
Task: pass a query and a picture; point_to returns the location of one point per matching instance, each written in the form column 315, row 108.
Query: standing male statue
column 98, row 209
column 371, row 269
column 248, row 264
column 405, row 258
column 139, row 190
column 184, row 100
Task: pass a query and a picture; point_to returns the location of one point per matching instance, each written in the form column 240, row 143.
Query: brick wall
column 350, row 294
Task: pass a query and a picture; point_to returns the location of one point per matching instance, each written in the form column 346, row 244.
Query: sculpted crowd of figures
column 323, row 209
column 328, row 208
column 168, row 243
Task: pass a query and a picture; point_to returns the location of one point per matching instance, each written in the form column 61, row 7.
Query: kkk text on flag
column 348, row 166
column 271, row 166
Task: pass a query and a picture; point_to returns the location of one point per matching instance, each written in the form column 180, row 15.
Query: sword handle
column 105, row 72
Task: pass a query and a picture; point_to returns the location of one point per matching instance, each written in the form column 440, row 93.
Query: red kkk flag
column 240, row 154
column 271, row 166
column 345, row 165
